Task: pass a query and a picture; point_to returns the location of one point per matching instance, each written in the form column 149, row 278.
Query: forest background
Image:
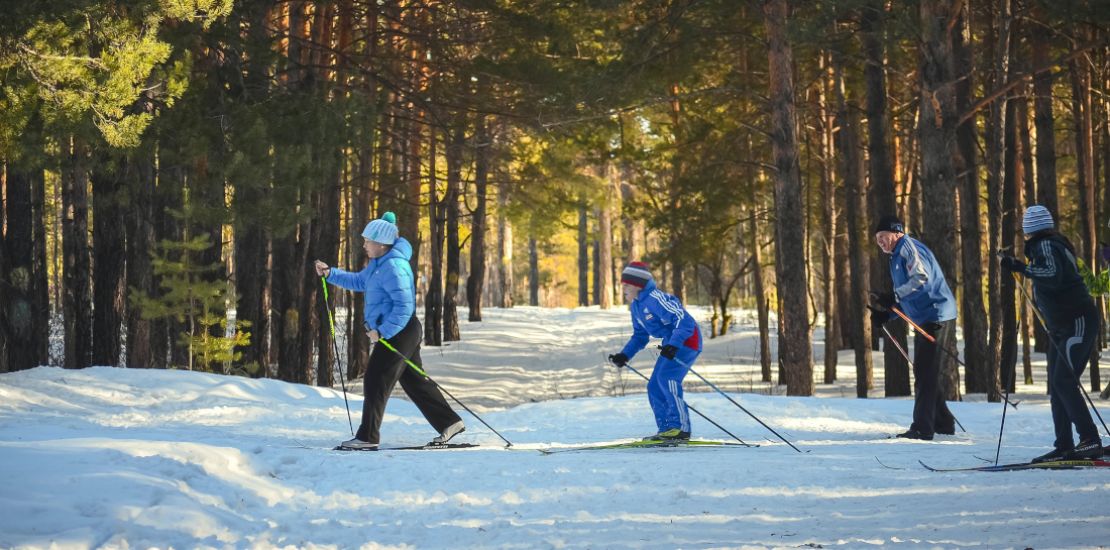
column 171, row 168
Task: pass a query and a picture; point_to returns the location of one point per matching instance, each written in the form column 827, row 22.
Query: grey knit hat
column 1037, row 218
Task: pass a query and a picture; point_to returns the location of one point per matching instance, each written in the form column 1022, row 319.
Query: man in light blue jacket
column 921, row 293
column 660, row 315
column 389, row 313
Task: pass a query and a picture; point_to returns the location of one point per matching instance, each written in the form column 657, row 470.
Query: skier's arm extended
column 638, row 340
column 349, row 280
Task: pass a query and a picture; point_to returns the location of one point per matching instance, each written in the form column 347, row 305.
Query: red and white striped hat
column 636, row 274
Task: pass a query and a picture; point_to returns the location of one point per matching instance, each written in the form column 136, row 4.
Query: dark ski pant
column 930, row 411
column 1076, row 340
column 383, row 372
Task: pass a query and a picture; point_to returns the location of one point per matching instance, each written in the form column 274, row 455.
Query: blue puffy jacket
column 389, row 287
column 660, row 315
column 923, row 294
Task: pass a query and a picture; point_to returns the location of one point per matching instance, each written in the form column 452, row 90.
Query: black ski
column 1051, row 465
column 645, row 444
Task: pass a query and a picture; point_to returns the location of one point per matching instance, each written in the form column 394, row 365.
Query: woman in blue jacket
column 389, row 313
column 656, row 314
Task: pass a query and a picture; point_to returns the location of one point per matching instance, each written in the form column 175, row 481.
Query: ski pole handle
column 331, row 319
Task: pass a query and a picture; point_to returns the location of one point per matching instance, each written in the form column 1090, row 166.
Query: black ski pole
column 335, row 347
column 910, row 361
column 1051, row 340
column 420, row 371
column 691, row 407
column 741, row 407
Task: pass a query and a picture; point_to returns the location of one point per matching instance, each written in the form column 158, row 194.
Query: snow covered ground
column 109, row 457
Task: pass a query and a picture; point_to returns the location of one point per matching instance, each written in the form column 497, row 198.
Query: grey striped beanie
column 1037, row 218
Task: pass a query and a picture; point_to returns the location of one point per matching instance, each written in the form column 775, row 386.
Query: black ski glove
column 618, row 359
column 668, row 351
column 1010, row 263
column 879, row 318
column 883, row 300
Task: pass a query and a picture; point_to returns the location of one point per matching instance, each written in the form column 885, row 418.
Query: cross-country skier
column 656, row 314
column 389, row 313
column 1073, row 324
column 921, row 293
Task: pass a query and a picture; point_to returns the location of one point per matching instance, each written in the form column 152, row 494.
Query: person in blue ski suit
column 1073, row 323
column 656, row 314
column 389, row 313
column 922, row 294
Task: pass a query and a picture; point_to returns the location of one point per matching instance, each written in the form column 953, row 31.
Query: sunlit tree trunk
column 796, row 351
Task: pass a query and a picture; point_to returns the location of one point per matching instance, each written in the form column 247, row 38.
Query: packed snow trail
column 108, row 457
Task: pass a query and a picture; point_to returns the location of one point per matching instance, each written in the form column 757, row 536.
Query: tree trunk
column 22, row 312
column 761, row 305
column 476, row 279
column 605, row 251
column 938, row 138
column 533, row 273
column 433, row 301
column 4, row 298
column 583, row 255
column 595, row 273
column 974, row 314
column 505, row 249
column 40, row 295
column 358, row 345
column 140, row 241
column 829, row 217
column 1085, row 180
column 327, row 244
column 1085, row 168
column 797, row 352
column 896, row 377
column 1011, row 193
column 451, row 205
column 851, row 166
column 109, row 257
column 1045, row 126
column 77, row 296
column 1043, row 120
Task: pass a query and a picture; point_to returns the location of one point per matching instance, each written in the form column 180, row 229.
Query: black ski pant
column 385, row 369
column 1073, row 342
column 930, row 411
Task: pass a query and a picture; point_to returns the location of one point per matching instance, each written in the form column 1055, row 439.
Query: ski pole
column 917, row 328
column 420, row 371
column 335, row 347
column 691, row 407
column 741, row 407
column 1051, row 340
column 910, row 361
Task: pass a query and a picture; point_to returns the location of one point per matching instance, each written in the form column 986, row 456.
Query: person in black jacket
column 1072, row 321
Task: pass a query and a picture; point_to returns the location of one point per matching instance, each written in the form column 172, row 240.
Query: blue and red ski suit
column 656, row 314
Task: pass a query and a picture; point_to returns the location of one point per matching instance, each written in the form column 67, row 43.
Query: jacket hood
column 650, row 286
column 401, row 249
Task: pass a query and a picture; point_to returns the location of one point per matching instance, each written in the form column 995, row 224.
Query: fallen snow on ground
column 109, row 457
